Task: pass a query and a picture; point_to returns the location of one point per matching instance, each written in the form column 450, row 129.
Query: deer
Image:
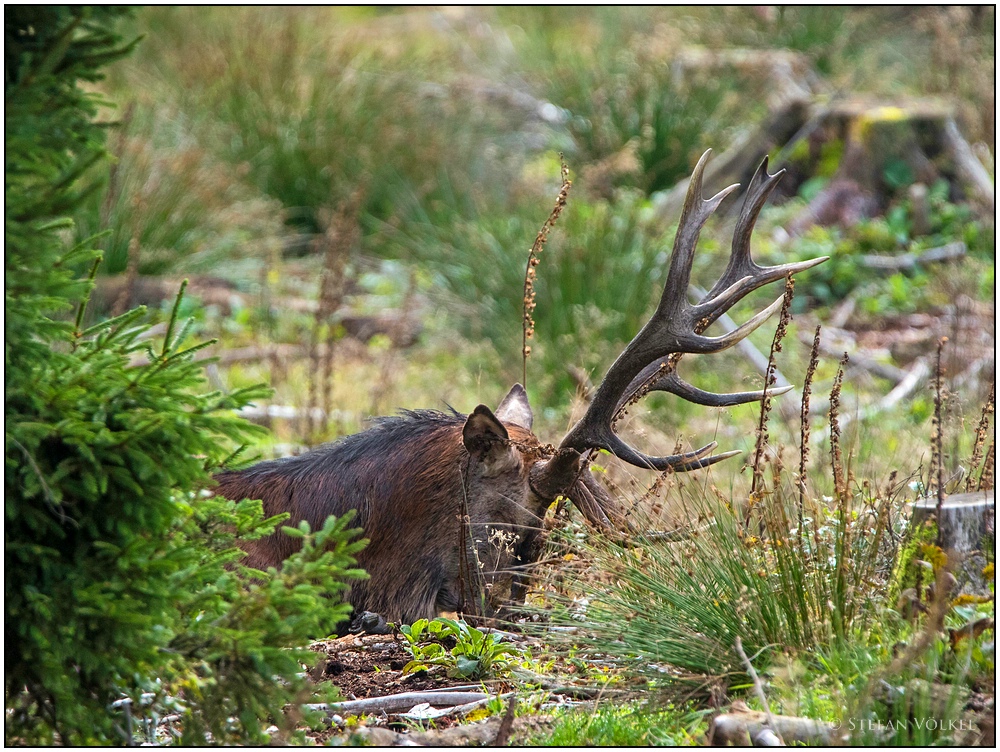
column 453, row 504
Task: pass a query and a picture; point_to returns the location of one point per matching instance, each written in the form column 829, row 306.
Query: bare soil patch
column 372, row 666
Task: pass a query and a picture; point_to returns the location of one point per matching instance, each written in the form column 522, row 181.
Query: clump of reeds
column 528, row 322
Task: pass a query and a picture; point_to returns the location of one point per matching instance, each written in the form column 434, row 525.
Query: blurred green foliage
column 447, row 123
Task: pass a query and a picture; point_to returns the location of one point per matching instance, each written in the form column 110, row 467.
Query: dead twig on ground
column 907, row 261
column 399, row 703
column 507, row 724
column 759, row 691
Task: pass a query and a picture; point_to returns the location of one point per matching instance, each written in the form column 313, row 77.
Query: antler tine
column 694, row 215
column 674, row 384
column 677, row 462
column 740, row 263
column 743, row 274
column 698, row 464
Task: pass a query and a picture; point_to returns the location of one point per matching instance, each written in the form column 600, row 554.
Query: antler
column 649, row 360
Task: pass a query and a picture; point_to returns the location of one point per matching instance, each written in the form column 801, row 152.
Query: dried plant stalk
column 528, row 323
column 804, row 425
column 981, row 431
column 756, row 485
column 840, row 492
column 661, row 483
column 986, row 476
column 341, row 234
column 937, row 435
column 836, row 455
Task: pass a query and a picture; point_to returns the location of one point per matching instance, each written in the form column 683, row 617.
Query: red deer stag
column 453, row 504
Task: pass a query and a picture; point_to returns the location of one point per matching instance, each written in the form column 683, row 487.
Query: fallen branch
column 398, row 703
column 362, row 642
column 479, row 734
column 759, row 689
column 424, row 711
column 290, row 412
column 913, row 380
column 254, row 354
column 742, row 726
column 858, row 359
column 974, row 373
column 968, row 165
column 906, row 261
column 552, row 687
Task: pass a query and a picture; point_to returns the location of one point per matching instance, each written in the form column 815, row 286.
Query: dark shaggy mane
column 383, row 436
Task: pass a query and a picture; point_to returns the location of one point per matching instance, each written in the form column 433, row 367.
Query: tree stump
column 872, row 151
column 967, row 530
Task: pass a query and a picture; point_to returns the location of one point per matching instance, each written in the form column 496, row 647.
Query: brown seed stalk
column 937, row 436
column 981, row 431
column 986, row 477
column 804, row 422
column 756, row 485
column 528, row 323
column 341, row 235
column 836, row 455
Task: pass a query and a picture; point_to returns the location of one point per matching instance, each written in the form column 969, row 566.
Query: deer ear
column 514, row 408
column 482, row 431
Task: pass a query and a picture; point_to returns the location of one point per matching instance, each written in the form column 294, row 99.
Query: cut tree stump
column 967, row 530
column 879, row 148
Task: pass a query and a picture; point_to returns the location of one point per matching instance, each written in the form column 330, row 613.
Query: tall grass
column 785, row 570
column 174, row 200
column 685, row 603
column 632, row 117
column 311, row 111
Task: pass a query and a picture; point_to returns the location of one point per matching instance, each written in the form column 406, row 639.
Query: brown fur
column 409, row 479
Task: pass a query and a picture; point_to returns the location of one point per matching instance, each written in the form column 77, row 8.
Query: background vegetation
column 315, row 167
